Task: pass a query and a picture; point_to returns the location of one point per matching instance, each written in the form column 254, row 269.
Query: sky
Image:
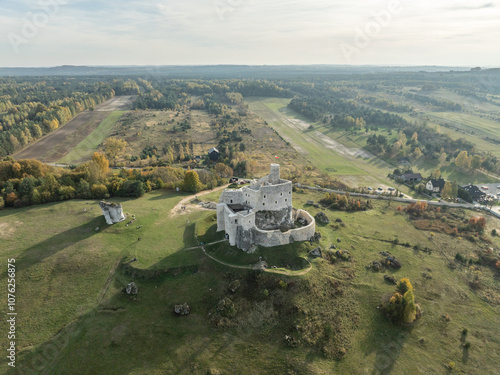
column 255, row 32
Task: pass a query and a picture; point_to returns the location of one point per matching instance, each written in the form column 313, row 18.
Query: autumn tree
column 100, row 159
column 417, row 153
column 223, row 170
column 192, row 182
column 447, row 191
column 442, row 158
column 414, row 137
column 436, row 173
column 462, row 160
column 401, row 306
column 114, row 147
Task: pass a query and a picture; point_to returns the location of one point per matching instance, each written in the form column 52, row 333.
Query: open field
column 60, row 142
column 155, row 128
column 479, row 125
column 76, row 318
column 83, row 151
column 422, row 165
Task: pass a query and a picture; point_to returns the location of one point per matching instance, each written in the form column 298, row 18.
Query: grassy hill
column 74, row 316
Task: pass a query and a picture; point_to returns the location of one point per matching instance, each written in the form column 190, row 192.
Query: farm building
column 412, row 177
column 262, row 214
column 213, row 154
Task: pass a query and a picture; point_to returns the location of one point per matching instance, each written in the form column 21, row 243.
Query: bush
column 99, row 191
column 460, row 258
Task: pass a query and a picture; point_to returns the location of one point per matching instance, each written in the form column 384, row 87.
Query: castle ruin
column 262, row 214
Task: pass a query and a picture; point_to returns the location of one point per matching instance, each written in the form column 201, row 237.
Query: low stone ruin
column 131, row 288
column 113, row 212
column 208, row 205
column 183, row 309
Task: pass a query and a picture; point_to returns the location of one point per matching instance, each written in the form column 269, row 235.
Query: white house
column 435, row 186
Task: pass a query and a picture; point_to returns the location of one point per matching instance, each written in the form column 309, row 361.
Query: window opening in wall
column 263, row 204
column 264, row 196
column 231, row 201
column 275, row 202
column 236, row 221
column 281, row 194
column 286, row 200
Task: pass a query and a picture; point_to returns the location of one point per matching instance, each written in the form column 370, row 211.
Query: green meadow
column 74, row 317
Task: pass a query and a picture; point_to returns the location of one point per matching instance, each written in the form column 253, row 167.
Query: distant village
column 481, row 193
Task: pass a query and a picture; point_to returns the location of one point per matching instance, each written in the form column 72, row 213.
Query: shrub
column 460, row 258
column 494, row 232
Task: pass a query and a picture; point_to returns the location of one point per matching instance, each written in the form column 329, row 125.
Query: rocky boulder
column 390, row 279
column 316, row 253
column 183, row 309
column 131, row 288
column 322, row 218
column 113, row 212
column 234, row 285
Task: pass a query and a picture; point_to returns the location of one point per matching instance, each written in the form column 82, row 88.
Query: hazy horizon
column 235, row 32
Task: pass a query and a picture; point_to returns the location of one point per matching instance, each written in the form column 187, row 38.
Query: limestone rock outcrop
column 183, row 309
column 322, row 218
column 113, row 212
column 131, row 288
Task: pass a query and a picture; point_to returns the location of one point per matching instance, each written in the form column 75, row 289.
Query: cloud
column 249, row 32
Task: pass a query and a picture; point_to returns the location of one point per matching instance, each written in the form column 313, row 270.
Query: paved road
column 495, row 211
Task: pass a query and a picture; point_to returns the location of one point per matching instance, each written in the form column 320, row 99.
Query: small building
column 435, row 185
column 474, row 192
column 412, row 177
column 213, row 154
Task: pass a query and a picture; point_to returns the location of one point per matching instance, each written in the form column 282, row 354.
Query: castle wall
column 221, row 217
column 270, row 238
column 232, row 196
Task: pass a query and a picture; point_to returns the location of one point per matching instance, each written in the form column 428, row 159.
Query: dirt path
column 256, row 266
column 184, row 202
column 108, row 281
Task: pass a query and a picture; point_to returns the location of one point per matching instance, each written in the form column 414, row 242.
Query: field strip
column 352, row 165
column 86, row 147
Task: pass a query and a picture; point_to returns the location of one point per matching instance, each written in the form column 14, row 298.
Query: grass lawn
column 90, row 144
column 75, row 318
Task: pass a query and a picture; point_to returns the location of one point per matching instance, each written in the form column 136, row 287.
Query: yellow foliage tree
column 100, row 159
